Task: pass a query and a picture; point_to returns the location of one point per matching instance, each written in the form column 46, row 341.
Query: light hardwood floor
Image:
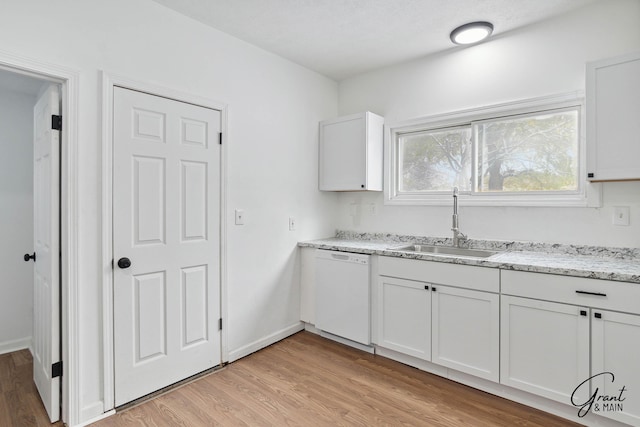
column 20, row 404
column 306, row 380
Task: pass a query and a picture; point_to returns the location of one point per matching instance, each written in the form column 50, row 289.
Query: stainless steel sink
column 446, row 251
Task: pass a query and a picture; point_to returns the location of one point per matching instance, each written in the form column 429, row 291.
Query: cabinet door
column 404, row 322
column 545, row 347
column 466, row 331
column 613, row 128
column 616, row 348
column 343, row 154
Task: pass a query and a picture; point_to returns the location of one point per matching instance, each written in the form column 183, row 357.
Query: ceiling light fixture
column 472, row 32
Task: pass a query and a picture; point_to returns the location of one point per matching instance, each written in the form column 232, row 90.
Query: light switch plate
column 239, row 216
column 621, row 215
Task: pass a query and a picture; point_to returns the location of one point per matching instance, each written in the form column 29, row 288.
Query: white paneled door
column 46, row 217
column 166, row 241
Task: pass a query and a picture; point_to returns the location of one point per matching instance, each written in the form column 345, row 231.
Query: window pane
column 435, row 160
column 533, row 153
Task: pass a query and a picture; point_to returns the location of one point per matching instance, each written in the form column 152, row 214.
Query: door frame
column 68, row 79
column 109, row 81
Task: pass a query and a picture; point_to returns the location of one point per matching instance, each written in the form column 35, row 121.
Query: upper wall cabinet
column 351, row 153
column 613, row 119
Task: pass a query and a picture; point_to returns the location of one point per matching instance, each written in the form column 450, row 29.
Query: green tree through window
column 526, row 153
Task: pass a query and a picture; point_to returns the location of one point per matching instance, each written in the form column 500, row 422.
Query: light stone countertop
column 619, row 264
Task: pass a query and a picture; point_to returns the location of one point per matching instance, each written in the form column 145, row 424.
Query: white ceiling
column 341, row 38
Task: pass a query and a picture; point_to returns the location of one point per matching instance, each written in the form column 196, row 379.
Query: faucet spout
column 457, row 234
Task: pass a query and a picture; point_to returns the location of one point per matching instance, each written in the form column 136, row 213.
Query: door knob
column 124, row 263
column 27, row 257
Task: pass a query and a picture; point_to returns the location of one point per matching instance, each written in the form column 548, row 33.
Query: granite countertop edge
column 599, row 263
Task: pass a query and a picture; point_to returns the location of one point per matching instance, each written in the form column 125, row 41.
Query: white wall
column 274, row 109
column 542, row 59
column 16, row 219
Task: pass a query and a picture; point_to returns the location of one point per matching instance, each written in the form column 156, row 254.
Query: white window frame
column 587, row 195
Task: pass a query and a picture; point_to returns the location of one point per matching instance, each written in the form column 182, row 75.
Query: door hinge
column 56, row 122
column 56, row 370
column 220, row 324
column 220, row 138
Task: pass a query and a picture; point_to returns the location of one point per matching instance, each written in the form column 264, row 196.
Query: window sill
column 591, row 199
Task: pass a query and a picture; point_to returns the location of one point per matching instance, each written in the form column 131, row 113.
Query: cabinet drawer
column 617, row 296
column 462, row 276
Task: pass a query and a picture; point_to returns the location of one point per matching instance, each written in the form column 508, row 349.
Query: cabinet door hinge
column 220, row 324
column 56, row 122
column 56, row 370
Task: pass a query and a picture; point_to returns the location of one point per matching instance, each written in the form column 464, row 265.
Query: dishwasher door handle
column 340, row 257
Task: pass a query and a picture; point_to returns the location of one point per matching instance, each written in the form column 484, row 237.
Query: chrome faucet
column 457, row 235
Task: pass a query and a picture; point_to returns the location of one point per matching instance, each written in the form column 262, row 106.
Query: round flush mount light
column 472, row 32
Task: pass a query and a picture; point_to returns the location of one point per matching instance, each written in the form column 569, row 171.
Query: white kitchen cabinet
column 544, row 348
column 450, row 325
column 466, row 331
column 545, row 344
column 613, row 128
column 404, row 316
column 615, row 348
column 350, row 155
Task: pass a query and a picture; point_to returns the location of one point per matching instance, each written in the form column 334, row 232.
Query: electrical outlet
column 239, row 216
column 621, row 215
column 292, row 223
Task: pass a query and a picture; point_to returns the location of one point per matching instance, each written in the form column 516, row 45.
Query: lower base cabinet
column 466, row 331
column 615, row 349
column 404, row 316
column 572, row 340
column 453, row 327
column 580, row 356
column 545, row 348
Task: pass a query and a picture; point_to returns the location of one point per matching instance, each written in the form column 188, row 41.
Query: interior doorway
column 30, row 223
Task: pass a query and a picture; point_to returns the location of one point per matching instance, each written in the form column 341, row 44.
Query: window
column 507, row 156
column 435, row 160
column 529, row 153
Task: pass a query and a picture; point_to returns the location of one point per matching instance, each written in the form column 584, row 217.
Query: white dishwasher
column 342, row 295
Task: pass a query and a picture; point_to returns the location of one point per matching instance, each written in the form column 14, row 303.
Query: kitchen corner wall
column 274, row 107
column 542, row 59
column 16, row 219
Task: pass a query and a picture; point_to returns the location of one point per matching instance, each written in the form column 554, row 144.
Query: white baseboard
column 265, row 342
column 15, row 345
column 95, row 419
column 311, row 328
column 91, row 411
column 366, row 348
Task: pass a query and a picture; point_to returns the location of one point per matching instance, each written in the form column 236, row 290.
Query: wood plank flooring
column 20, row 404
column 306, row 380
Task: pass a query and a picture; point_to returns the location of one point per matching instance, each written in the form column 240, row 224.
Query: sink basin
column 447, row 251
